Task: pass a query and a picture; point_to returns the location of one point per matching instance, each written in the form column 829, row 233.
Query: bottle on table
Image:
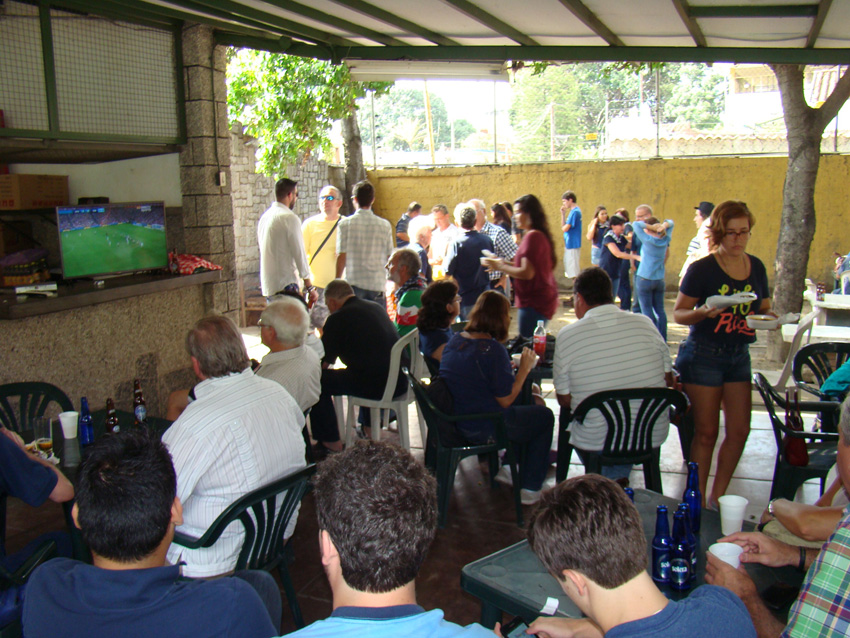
column 680, row 555
column 111, row 416
column 140, row 410
column 630, row 493
column 693, row 497
column 661, row 544
column 85, row 422
column 539, row 341
column 693, row 542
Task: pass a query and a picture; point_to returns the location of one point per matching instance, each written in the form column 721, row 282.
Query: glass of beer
column 43, row 431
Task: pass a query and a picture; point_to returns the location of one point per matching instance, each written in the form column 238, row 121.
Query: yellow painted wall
column 671, row 186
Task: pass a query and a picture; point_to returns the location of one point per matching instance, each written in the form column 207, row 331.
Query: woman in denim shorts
column 714, row 361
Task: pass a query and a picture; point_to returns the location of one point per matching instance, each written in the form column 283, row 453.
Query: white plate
column 726, row 301
column 489, row 254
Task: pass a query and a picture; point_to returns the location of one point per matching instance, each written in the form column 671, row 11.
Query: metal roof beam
column 491, row 22
column 593, row 23
column 113, row 12
column 755, row 55
column 283, row 45
column 756, row 11
column 224, row 15
column 814, row 32
column 683, row 9
column 350, row 27
column 371, row 11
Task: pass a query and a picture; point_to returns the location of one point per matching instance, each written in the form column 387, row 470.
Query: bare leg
column 705, row 404
column 737, row 406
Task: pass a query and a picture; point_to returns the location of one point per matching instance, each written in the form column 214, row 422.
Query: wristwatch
column 770, row 507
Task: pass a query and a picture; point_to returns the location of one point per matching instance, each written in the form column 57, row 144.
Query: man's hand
column 737, row 581
column 761, row 549
column 551, row 627
column 15, row 438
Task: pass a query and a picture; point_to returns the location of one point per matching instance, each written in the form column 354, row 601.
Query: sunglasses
column 328, row 198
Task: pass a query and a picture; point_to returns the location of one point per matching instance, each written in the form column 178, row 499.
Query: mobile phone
column 779, row 596
column 515, row 628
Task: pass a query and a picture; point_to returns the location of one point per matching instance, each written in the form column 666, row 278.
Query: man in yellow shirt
column 320, row 244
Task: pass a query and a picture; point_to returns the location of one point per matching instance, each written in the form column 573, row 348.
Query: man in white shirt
column 240, row 433
column 282, row 256
column 442, row 235
column 283, row 329
column 699, row 246
column 364, row 243
column 606, row 349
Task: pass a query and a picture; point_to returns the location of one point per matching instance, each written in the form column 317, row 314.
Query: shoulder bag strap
column 324, row 241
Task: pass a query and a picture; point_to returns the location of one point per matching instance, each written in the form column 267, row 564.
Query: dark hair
column 364, row 193
column 616, row 220
column 491, row 314
column 599, row 209
column 622, row 212
column 294, row 295
column 589, row 525
column 500, row 214
column 379, row 506
column 284, row 187
column 508, row 206
column 465, row 216
column 570, row 195
column 125, row 488
column 413, row 207
column 532, row 207
column 217, row 344
column 594, row 286
column 723, row 214
column 433, row 314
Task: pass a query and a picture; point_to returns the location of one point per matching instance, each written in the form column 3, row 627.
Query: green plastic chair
column 19, row 577
column 264, row 518
column 449, row 454
column 821, row 360
column 20, row 403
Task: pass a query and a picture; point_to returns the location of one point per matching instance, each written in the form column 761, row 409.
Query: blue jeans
column 371, row 295
column 615, row 286
column 528, row 318
column 266, row 587
column 651, row 295
column 532, row 425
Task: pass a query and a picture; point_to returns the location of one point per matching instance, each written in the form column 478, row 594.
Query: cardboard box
column 23, row 192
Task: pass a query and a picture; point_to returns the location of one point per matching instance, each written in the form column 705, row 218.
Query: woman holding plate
column 714, row 361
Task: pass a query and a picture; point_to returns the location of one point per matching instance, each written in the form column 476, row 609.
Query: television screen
column 102, row 239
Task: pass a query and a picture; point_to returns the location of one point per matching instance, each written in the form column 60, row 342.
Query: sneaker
column 529, row 497
column 504, row 476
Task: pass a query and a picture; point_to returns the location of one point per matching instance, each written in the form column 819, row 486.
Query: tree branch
column 836, row 100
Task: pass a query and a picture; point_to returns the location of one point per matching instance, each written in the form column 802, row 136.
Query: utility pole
column 430, row 122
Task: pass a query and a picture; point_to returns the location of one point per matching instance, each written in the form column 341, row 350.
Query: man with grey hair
column 503, row 244
column 822, row 607
column 463, row 259
column 420, row 235
column 283, row 330
column 319, row 233
column 241, row 432
column 403, row 270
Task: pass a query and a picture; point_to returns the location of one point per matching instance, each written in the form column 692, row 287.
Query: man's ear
column 327, row 548
column 75, row 513
column 575, row 582
column 197, row 368
column 177, row 512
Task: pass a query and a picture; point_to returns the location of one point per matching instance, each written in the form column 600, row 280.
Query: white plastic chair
column 379, row 408
column 805, row 325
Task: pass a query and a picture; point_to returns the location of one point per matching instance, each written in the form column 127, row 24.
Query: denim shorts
column 703, row 363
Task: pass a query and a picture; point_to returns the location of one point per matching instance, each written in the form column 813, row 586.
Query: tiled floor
column 481, row 519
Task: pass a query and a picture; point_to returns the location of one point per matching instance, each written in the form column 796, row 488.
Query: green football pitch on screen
column 115, row 248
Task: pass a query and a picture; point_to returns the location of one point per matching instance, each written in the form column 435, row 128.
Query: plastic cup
column 516, row 359
column 69, row 420
column 732, row 510
column 728, row 552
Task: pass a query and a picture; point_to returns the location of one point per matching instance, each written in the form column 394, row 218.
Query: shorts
column 571, row 267
column 708, row 364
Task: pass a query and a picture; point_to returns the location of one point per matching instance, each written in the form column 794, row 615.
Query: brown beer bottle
column 139, row 408
column 111, row 417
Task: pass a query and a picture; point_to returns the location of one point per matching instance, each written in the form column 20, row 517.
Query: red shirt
column 540, row 292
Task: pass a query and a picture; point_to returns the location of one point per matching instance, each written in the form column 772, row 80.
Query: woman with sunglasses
column 714, row 361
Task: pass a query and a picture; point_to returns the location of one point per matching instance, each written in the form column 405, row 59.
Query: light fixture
column 389, row 70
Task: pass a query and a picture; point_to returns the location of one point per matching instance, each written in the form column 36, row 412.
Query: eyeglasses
column 740, row 233
column 328, row 198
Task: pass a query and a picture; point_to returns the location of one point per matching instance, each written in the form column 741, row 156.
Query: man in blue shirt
column 463, row 259
column 402, row 237
column 127, row 510
column 571, row 225
column 377, row 511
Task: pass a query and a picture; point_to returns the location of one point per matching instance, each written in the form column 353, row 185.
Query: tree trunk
column 805, row 126
column 353, row 147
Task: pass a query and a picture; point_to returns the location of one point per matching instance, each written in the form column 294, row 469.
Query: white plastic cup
column 69, row 424
column 728, row 552
column 516, row 358
column 732, row 510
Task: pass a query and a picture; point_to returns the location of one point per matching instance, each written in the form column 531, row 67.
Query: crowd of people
column 326, row 279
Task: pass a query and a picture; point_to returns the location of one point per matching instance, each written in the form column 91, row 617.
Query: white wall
column 134, row 180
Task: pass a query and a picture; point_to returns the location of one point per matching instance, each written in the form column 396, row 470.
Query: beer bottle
column 139, row 408
column 693, row 497
column 661, row 543
column 86, row 428
column 630, row 493
column 680, row 559
column 111, row 417
column 691, row 538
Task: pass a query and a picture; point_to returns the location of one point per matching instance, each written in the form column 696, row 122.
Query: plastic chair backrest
column 804, row 326
column 817, row 358
column 771, row 399
column 20, row 403
column 630, row 426
column 264, row 517
column 410, row 343
column 845, row 283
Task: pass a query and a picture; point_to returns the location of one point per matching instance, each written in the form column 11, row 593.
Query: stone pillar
column 205, row 166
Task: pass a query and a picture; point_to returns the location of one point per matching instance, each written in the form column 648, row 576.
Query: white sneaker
column 504, row 476
column 529, row 497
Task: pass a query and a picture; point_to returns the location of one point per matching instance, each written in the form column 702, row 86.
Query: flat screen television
column 109, row 239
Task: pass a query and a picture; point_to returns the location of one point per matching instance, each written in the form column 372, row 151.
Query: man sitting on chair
column 377, row 511
column 127, row 510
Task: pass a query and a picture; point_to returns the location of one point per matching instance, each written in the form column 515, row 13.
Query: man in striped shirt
column 503, row 244
column 240, row 433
